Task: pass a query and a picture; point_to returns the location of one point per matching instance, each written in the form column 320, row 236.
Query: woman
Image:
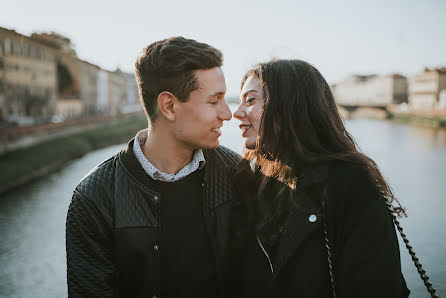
column 314, row 215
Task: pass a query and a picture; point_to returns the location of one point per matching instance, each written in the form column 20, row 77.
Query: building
column 69, row 102
column 28, row 79
column 427, row 90
column 132, row 103
column 89, row 80
column 371, row 90
column 117, row 91
column 42, row 79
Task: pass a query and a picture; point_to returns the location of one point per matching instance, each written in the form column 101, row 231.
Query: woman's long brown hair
column 301, row 126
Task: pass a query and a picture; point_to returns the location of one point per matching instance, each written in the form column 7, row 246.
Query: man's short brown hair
column 169, row 65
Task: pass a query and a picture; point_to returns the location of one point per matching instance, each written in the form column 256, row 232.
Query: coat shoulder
column 98, row 184
column 230, row 157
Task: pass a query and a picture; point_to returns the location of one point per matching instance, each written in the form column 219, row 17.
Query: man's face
column 198, row 120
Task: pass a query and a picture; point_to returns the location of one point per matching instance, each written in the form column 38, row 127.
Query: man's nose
column 225, row 113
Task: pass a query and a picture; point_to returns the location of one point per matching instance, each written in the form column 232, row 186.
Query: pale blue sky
column 338, row 37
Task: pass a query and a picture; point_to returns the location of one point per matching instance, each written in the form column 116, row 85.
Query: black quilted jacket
column 112, row 228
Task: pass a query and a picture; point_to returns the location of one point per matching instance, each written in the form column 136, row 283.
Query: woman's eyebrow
column 246, row 92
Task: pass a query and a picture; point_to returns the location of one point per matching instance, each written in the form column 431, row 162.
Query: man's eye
column 214, row 102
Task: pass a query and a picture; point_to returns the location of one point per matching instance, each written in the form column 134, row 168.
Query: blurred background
column 68, row 100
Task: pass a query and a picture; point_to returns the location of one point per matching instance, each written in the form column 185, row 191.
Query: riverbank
column 427, row 120
column 432, row 119
column 23, row 165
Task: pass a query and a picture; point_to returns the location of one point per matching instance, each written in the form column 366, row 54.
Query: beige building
column 28, row 79
column 42, row 79
column 69, row 102
column 132, row 103
column 89, row 80
column 427, row 90
column 117, row 91
column 371, row 90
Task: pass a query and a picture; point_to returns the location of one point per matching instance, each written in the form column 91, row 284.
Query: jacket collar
column 216, row 178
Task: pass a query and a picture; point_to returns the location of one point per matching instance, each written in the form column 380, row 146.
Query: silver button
column 156, row 247
column 202, row 184
column 312, row 218
column 154, row 296
column 156, row 198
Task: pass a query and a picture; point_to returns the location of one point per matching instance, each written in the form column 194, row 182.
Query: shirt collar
column 197, row 162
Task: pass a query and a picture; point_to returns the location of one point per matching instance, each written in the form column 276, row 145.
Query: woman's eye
column 249, row 101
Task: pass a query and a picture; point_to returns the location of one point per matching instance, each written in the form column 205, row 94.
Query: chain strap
column 416, row 261
column 329, row 258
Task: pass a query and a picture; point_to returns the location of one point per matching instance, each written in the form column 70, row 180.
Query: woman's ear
column 165, row 104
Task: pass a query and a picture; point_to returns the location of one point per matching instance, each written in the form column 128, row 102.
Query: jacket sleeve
column 366, row 256
column 90, row 267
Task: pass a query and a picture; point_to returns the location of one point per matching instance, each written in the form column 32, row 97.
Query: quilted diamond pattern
column 115, row 195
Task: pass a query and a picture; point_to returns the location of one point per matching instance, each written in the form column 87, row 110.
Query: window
column 16, row 48
column 7, row 46
column 32, row 51
column 25, row 50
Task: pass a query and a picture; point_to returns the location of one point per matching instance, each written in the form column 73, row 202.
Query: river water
column 413, row 159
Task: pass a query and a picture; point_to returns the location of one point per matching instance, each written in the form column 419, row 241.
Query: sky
column 340, row 38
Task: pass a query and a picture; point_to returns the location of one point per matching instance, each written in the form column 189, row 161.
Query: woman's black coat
column 360, row 231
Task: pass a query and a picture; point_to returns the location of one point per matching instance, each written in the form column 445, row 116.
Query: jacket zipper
column 266, row 254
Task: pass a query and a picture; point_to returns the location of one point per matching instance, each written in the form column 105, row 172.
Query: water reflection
column 32, row 221
column 413, row 159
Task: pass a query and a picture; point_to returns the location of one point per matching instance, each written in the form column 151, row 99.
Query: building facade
column 42, row 80
column 371, row 90
column 28, row 79
column 427, row 90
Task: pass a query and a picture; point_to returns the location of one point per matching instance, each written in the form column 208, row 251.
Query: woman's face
column 249, row 112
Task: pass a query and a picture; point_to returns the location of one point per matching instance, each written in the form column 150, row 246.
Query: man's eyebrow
column 216, row 94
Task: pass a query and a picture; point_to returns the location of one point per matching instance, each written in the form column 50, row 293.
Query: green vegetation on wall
column 20, row 166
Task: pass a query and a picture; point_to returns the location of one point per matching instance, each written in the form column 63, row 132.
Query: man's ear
column 166, row 101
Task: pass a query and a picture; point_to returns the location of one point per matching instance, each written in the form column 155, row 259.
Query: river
column 413, row 159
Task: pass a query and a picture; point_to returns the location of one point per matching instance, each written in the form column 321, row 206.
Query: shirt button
column 156, row 247
column 312, row 218
column 156, row 198
column 202, row 184
column 154, row 296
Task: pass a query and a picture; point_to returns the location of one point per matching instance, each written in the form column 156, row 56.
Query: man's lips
column 217, row 129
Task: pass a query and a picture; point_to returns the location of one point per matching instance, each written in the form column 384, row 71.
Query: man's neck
column 165, row 152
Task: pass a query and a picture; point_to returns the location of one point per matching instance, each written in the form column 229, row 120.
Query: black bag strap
column 416, row 261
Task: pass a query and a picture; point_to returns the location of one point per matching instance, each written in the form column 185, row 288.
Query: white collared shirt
column 197, row 162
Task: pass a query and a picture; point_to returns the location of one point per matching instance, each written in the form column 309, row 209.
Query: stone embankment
column 434, row 119
column 32, row 152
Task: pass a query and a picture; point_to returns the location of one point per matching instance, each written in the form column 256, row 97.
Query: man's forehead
column 211, row 80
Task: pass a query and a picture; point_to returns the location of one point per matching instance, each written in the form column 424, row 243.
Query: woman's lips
column 244, row 128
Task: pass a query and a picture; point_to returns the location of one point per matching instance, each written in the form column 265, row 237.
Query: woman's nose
column 240, row 112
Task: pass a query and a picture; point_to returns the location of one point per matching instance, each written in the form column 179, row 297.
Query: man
column 152, row 220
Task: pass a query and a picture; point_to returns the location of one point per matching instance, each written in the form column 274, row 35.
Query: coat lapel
column 299, row 226
column 304, row 220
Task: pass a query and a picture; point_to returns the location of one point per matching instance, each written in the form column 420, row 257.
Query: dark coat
column 113, row 226
column 361, row 235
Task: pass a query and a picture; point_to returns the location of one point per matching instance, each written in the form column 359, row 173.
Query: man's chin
column 213, row 145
